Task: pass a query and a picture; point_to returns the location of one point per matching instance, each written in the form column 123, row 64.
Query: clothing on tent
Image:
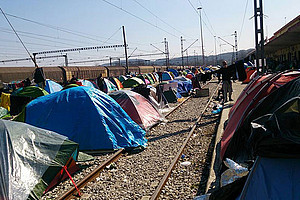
column 5, row 101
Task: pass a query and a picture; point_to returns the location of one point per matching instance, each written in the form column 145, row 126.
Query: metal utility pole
column 201, row 35
column 182, row 52
column 66, row 60
column 195, row 58
column 236, row 47
column 167, row 52
column 187, row 58
column 125, row 48
column 259, row 36
column 216, row 50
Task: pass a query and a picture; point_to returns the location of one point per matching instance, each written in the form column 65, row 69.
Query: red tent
column 138, row 108
column 256, row 90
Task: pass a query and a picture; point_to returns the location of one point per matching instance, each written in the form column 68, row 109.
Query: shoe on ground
column 230, row 99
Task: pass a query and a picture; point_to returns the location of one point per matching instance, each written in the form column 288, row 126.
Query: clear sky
column 61, row 24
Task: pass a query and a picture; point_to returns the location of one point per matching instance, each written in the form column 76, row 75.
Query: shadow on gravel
column 207, row 123
column 208, row 158
column 169, row 135
column 182, row 120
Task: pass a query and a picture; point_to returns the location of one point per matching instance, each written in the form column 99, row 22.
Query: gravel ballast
column 136, row 176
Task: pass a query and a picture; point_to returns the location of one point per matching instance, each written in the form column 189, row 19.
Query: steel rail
column 92, row 176
column 183, row 102
column 175, row 160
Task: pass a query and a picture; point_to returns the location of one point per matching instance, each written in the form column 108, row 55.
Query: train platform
column 214, row 176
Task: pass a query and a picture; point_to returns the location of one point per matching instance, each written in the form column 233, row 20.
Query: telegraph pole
column 125, row 48
column 216, row 51
column 167, row 52
column 236, row 47
column 182, row 52
column 259, row 36
column 203, row 58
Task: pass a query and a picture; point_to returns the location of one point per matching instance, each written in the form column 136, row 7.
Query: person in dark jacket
column 100, row 82
column 227, row 75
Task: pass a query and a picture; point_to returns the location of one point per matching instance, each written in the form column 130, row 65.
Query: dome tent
column 138, row 108
column 87, row 116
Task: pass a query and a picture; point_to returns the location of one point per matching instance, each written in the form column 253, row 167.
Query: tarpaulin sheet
column 273, row 178
column 183, row 87
column 26, row 153
column 86, row 116
column 138, row 108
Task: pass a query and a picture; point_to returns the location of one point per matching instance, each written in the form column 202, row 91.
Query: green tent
column 22, row 96
column 70, row 86
column 132, row 82
column 149, row 78
column 30, row 91
column 32, row 159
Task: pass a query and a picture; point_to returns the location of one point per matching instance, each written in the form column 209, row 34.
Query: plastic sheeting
column 87, row 116
column 52, row 86
column 273, row 179
column 26, row 153
column 138, row 108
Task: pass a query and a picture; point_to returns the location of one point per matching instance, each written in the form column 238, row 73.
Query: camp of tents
column 48, row 127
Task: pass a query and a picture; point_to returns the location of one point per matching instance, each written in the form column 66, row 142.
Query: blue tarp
column 273, row 178
column 87, row 116
column 52, row 86
column 183, row 87
column 174, row 71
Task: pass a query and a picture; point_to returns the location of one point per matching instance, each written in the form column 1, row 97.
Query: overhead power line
column 139, row 18
column 202, row 21
column 77, row 33
column 159, row 17
column 207, row 18
column 243, row 20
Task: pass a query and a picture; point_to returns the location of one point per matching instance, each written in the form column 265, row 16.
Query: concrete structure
column 283, row 48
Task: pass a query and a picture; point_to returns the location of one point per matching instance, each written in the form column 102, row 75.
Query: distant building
column 282, row 50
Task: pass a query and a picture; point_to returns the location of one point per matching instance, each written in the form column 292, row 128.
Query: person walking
column 227, row 75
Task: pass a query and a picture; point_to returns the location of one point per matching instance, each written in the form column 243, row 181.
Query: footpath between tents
column 214, row 176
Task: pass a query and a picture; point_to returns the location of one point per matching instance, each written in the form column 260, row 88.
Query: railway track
column 86, row 185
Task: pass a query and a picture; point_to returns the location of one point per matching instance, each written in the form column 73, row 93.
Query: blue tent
column 166, row 76
column 87, row 83
column 174, row 71
column 273, row 178
column 88, row 116
column 184, row 87
column 52, row 86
